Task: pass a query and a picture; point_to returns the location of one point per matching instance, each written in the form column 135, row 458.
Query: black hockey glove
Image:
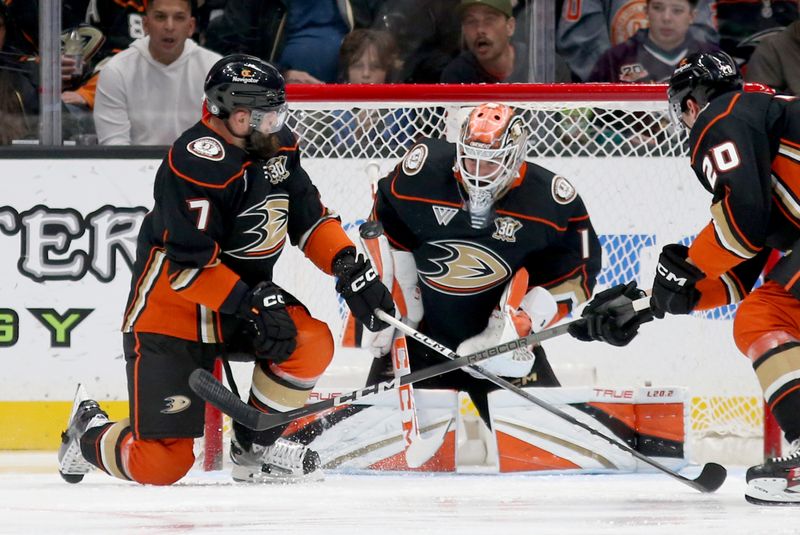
column 610, row 318
column 362, row 289
column 674, row 286
column 274, row 332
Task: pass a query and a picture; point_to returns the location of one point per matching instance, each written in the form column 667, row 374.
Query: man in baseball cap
column 503, row 6
column 487, row 28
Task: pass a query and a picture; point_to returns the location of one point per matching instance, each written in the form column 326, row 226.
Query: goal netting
column 615, row 143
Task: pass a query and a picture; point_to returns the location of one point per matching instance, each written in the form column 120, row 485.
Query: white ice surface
column 34, row 500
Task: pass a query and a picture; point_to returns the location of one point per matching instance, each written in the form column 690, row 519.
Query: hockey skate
column 85, row 414
column 777, row 480
column 282, row 462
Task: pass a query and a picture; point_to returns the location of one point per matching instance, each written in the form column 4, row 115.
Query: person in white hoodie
column 151, row 92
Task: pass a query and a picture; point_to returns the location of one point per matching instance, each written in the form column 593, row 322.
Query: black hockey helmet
column 242, row 81
column 701, row 76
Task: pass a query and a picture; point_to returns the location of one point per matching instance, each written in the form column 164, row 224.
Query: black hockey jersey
column 541, row 224
column 745, row 149
column 219, row 216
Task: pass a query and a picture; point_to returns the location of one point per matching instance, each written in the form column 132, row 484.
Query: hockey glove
column 610, row 317
column 362, row 290
column 674, row 286
column 274, row 332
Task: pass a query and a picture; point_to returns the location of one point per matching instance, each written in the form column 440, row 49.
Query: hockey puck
column 370, row 229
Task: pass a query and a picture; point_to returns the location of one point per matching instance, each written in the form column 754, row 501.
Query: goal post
column 614, row 142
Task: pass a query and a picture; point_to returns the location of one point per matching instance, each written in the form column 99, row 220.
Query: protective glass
column 269, row 120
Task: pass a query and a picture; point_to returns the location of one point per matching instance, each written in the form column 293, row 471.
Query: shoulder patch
column 415, row 159
column 208, row 148
column 276, row 169
column 563, row 192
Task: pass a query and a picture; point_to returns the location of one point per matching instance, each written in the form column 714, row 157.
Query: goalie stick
column 418, row 450
column 205, row 385
column 711, row 477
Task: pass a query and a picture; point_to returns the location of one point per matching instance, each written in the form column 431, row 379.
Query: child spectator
column 652, row 54
column 368, row 57
column 590, row 27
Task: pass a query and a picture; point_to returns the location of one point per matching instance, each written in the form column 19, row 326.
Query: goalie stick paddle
column 205, row 385
column 711, row 477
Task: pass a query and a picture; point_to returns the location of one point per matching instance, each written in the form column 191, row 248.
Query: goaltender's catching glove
column 362, row 289
column 674, row 288
column 274, row 331
column 610, row 317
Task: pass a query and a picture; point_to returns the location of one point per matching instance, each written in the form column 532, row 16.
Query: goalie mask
column 489, row 153
column 246, row 82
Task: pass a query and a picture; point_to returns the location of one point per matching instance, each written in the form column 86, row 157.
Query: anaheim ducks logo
column 465, row 268
column 175, row 404
column 270, row 219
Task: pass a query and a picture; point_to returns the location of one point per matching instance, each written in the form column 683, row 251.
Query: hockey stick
column 205, row 385
column 418, row 449
column 711, row 477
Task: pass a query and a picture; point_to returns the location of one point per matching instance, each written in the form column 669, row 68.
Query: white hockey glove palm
column 536, row 310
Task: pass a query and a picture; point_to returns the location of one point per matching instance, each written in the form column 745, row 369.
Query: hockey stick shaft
column 709, row 479
column 205, row 385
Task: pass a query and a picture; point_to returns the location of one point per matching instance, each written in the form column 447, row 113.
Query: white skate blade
column 254, row 476
column 80, row 395
column 770, row 491
column 73, row 463
column 421, row 449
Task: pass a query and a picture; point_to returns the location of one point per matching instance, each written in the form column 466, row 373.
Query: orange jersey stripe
column 237, row 175
column 722, row 115
column 711, row 257
column 418, row 199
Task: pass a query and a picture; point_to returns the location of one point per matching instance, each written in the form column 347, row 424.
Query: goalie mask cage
column 614, row 142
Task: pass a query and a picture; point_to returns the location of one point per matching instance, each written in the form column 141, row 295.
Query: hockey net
column 615, row 144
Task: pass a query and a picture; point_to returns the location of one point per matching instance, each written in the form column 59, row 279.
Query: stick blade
column 421, row 450
column 711, row 477
column 205, row 385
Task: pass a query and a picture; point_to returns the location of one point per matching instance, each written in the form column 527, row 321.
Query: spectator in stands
column 776, row 61
column 23, row 37
column 368, row 57
column 590, row 27
column 152, row 91
column 121, row 24
column 653, row 53
column 427, row 34
column 487, row 27
column 300, row 37
column 18, row 97
column 742, row 23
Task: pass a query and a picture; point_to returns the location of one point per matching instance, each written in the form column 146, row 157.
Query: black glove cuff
column 233, row 302
column 344, row 261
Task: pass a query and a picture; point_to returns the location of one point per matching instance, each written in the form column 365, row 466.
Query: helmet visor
column 269, row 120
column 676, row 110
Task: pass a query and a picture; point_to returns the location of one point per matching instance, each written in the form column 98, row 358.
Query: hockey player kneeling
column 229, row 196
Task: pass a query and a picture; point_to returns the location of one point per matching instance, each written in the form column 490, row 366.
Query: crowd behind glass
column 132, row 72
